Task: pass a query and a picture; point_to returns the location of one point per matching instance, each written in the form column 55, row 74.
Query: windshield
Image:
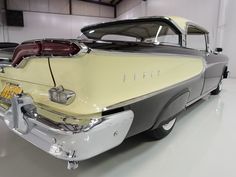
column 148, row 32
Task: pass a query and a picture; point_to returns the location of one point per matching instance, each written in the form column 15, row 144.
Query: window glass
column 114, row 37
column 196, row 39
column 165, row 36
column 150, row 32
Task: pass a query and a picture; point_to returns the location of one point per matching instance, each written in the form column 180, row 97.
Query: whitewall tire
column 163, row 130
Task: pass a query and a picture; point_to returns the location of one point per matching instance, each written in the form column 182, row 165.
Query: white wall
column 46, row 25
column 203, row 12
column 51, row 19
column 126, row 9
column 217, row 16
column 128, row 6
column 62, row 7
column 90, row 9
column 1, row 20
column 229, row 40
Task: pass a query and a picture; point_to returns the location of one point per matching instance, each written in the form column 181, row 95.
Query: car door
column 215, row 65
column 198, row 39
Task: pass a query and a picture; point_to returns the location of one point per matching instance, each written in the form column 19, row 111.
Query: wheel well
column 113, row 111
column 173, row 107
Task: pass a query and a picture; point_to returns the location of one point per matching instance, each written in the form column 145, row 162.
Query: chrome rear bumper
column 80, row 143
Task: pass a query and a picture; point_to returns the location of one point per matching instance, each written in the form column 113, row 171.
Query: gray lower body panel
column 148, row 113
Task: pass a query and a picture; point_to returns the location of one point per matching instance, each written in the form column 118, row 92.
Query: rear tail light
column 44, row 48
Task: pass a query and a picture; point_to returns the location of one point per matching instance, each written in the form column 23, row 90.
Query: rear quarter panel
column 101, row 79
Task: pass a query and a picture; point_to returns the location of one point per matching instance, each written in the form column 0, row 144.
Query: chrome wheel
column 169, row 125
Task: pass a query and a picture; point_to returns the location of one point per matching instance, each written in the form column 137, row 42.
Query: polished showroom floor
column 202, row 144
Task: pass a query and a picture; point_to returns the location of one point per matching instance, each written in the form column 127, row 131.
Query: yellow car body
column 111, row 91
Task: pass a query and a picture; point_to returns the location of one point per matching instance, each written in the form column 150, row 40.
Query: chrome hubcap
column 169, row 125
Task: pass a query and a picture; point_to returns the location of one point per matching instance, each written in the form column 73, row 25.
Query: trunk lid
column 29, row 61
column 36, row 71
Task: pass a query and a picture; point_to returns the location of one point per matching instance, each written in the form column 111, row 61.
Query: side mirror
column 219, row 50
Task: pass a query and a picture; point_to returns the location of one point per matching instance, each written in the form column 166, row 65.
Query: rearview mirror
column 219, row 50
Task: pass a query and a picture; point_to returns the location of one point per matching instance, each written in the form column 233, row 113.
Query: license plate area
column 9, row 91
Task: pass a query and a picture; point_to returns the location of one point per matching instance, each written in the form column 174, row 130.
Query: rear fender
column 173, row 107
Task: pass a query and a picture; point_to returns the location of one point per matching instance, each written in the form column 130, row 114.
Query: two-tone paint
column 119, row 93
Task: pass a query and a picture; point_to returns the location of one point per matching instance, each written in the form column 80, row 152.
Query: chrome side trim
column 5, row 65
column 149, row 95
column 150, row 53
column 202, row 96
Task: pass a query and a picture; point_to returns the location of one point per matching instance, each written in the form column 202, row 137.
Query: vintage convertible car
column 77, row 98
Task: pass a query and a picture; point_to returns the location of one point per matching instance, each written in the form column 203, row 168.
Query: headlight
column 61, row 95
